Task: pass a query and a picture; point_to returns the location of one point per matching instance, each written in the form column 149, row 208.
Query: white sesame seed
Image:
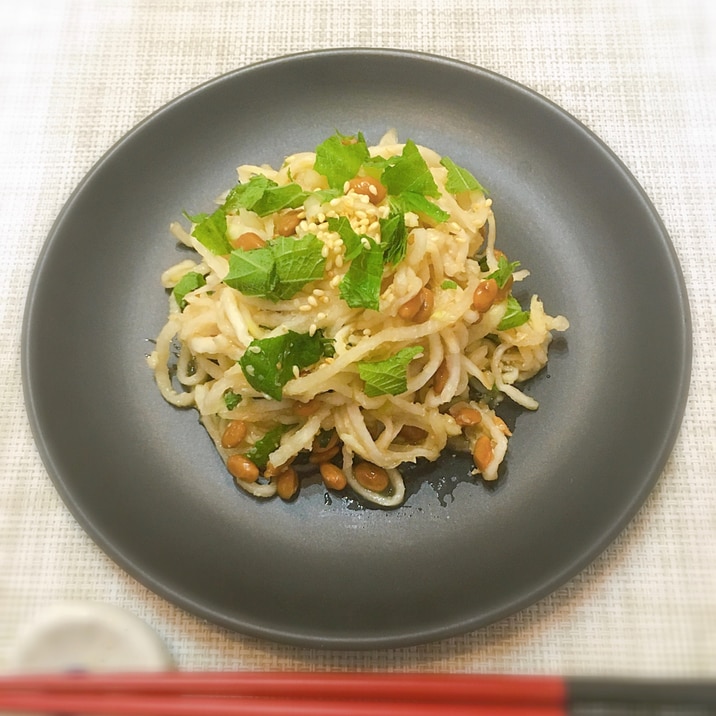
column 318, row 291
column 296, row 371
column 321, row 316
column 255, row 349
column 325, row 299
column 373, row 189
column 324, row 251
column 313, row 301
column 339, row 263
column 367, row 332
column 335, row 281
column 304, row 308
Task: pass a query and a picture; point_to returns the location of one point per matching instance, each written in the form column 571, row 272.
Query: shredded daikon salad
column 346, row 314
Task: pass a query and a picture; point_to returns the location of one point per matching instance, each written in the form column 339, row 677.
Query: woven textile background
column 75, row 75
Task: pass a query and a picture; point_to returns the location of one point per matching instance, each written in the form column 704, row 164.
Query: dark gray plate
column 143, row 478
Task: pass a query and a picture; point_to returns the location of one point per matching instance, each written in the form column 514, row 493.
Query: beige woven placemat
column 76, row 75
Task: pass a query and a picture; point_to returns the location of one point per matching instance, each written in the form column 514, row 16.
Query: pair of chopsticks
column 336, row 694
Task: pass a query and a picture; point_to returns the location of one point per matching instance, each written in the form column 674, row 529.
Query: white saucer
column 88, row 636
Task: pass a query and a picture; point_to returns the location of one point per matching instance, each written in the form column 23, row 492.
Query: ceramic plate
column 143, row 478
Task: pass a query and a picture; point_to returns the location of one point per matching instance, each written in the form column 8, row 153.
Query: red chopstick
column 283, row 694
column 117, row 704
column 336, row 694
column 339, row 686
